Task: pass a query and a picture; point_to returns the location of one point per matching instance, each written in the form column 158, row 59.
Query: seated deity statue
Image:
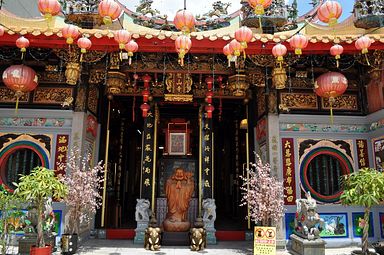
column 179, row 190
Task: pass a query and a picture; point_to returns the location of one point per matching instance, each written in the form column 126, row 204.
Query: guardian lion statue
column 209, row 215
column 308, row 223
column 142, row 210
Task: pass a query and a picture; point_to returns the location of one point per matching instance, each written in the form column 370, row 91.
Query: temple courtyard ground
column 126, row 247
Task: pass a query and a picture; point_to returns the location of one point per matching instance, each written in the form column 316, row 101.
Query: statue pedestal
column 211, row 232
column 303, row 246
column 140, row 232
column 175, row 239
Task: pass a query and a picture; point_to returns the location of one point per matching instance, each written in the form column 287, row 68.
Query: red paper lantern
column 209, row 81
column 331, row 85
column 84, row 44
column 259, row 5
column 244, row 36
column 336, row 50
column 145, row 93
column 145, row 108
column 131, row 47
column 49, row 8
column 329, row 12
column 209, row 96
column 109, row 10
column 184, row 21
column 21, row 79
column 209, row 109
column 279, row 51
column 183, row 44
column 298, row 42
column 122, row 37
column 2, row 30
column 70, row 33
column 363, row 43
column 22, row 43
column 227, row 52
column 235, row 47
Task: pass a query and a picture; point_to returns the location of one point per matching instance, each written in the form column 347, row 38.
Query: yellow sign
column 264, row 241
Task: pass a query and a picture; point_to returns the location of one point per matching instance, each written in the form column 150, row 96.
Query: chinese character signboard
column 288, row 154
column 147, row 152
column 207, row 157
column 264, row 241
column 61, row 152
column 362, row 153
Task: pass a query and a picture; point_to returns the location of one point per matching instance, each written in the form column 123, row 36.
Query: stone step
column 175, row 239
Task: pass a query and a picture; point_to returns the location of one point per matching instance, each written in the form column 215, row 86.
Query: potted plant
column 84, row 183
column 363, row 188
column 10, row 219
column 265, row 195
column 38, row 188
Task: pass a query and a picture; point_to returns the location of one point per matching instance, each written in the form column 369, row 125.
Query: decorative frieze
column 304, row 101
column 51, row 95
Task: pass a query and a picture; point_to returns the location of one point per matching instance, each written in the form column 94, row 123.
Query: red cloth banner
column 61, row 152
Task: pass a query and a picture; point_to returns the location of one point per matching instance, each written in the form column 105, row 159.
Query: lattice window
column 19, row 162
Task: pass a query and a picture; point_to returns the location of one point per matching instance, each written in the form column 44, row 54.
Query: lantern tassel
column 244, row 55
column 81, row 57
column 17, row 105
column 366, row 57
column 121, row 55
column 331, row 101
column 130, row 60
column 337, row 63
column 260, row 23
column 229, row 62
column 331, row 114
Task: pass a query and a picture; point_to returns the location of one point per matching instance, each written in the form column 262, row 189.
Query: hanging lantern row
column 146, row 94
column 209, row 108
column 185, row 22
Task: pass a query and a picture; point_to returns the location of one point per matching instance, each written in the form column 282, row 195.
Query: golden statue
column 179, row 190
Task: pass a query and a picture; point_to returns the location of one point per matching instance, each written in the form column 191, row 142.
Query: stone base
column 303, row 246
column 140, row 232
column 175, row 239
column 211, row 237
column 139, row 237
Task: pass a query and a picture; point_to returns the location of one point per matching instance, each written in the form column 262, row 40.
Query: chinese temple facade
column 148, row 111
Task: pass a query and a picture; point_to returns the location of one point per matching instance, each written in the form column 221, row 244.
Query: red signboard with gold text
column 61, row 152
column 288, row 153
column 362, row 153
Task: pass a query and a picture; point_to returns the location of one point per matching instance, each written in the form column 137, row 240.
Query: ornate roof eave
column 148, row 37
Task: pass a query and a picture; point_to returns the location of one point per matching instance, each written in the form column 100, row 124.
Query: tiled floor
column 122, row 247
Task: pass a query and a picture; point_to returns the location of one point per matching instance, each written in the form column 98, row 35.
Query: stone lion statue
column 142, row 210
column 209, row 214
column 308, row 223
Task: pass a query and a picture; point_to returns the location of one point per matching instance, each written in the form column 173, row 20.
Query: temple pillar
column 148, row 174
column 207, row 177
column 274, row 145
